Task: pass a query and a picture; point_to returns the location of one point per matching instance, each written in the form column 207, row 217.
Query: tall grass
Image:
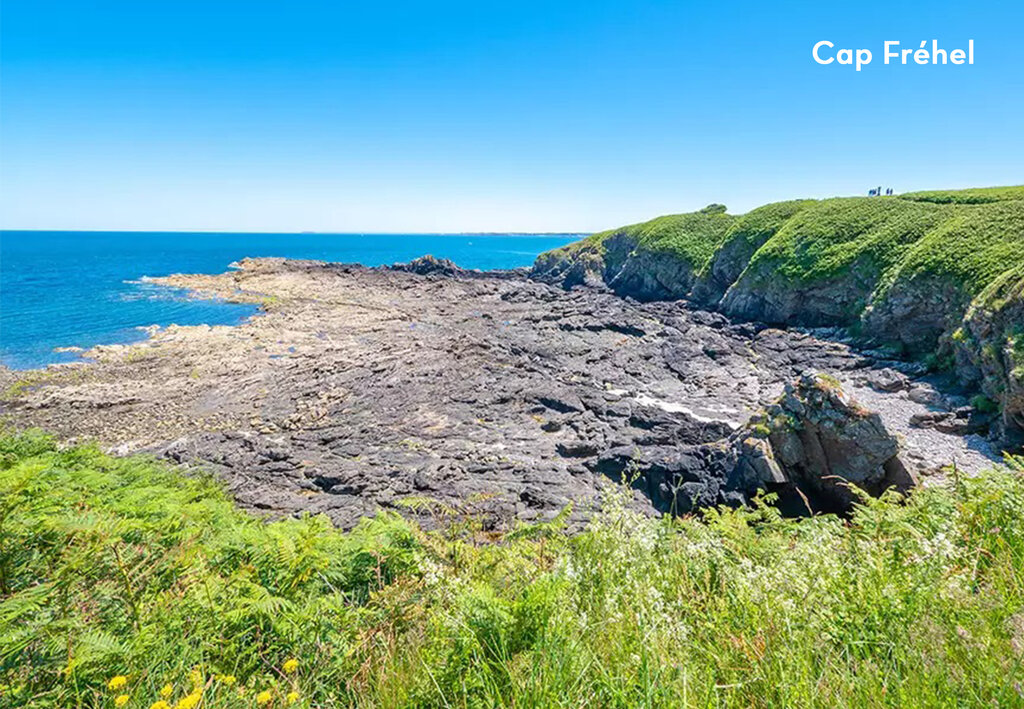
column 125, row 568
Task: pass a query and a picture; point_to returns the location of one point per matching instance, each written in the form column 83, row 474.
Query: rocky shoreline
column 434, row 391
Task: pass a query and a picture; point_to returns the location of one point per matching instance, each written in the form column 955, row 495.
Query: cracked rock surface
column 425, row 385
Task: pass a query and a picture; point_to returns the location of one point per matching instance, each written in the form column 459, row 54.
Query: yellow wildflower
column 189, row 701
column 196, row 676
column 290, row 665
column 167, row 690
column 117, row 682
column 227, row 679
column 121, row 700
column 292, row 697
column 160, row 705
column 264, row 697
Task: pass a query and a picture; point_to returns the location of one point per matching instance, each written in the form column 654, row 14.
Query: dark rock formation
column 822, row 440
column 896, row 273
column 809, row 446
column 429, row 265
column 989, row 350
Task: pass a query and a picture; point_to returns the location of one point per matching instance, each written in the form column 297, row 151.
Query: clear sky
column 497, row 116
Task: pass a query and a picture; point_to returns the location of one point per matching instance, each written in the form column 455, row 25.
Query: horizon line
column 304, row 232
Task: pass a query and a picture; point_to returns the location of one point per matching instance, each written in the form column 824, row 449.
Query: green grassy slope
column 826, row 239
column 972, row 246
column 745, row 236
column 755, row 227
column 121, row 568
column 978, row 195
column 692, row 238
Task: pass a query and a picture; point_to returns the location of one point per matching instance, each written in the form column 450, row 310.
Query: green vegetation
column 824, row 241
column 978, row 195
column 984, row 404
column 755, row 227
column 1003, row 291
column 119, row 577
column 692, row 237
column 970, row 249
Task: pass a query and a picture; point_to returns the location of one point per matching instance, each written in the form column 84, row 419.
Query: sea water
column 79, row 289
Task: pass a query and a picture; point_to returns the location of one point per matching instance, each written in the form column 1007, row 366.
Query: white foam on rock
column 672, row 407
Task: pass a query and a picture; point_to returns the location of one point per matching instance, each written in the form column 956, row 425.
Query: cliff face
column 989, row 348
column 905, row 272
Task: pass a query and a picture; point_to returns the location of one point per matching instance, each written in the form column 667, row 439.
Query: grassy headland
column 123, row 583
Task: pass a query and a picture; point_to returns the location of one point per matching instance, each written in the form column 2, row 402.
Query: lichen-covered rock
column 826, row 440
column 809, row 447
column 916, row 312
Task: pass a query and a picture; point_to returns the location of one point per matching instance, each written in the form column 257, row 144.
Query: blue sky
column 462, row 116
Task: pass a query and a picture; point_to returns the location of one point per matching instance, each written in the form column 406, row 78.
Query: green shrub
column 984, row 404
column 825, row 240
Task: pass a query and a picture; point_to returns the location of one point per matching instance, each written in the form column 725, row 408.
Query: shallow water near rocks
column 80, row 289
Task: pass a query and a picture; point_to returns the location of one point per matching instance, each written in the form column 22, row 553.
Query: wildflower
column 227, row 679
column 292, row 697
column 189, row 701
column 160, row 705
column 166, row 690
column 121, row 700
column 264, row 697
column 196, row 676
column 290, row 665
column 117, row 682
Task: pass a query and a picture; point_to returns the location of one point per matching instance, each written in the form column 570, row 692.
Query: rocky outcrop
column 765, row 297
column 821, row 441
column 429, row 265
column 617, row 263
column 657, row 260
column 989, row 349
column 810, row 446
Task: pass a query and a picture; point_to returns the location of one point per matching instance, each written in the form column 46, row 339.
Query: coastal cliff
column 931, row 275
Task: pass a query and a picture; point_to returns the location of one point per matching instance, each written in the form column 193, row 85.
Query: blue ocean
column 79, row 289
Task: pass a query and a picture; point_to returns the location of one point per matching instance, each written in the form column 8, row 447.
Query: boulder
column 827, row 440
column 429, row 265
column 818, row 440
column 809, row 447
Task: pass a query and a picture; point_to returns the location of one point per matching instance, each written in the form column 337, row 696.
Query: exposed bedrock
column 431, row 390
column 989, row 349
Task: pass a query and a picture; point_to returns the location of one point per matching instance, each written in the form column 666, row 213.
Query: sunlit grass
column 121, row 578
